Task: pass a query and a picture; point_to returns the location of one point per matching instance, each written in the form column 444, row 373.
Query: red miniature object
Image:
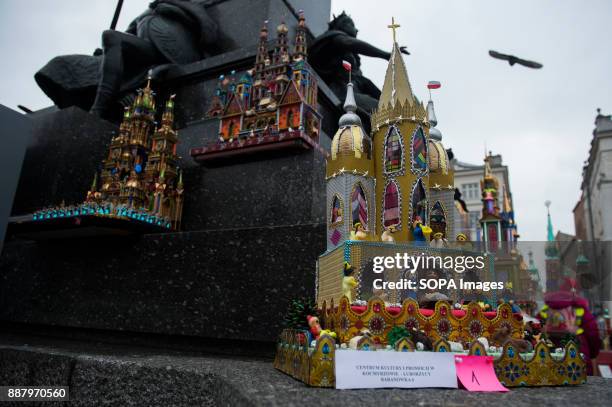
column 564, row 303
column 315, row 326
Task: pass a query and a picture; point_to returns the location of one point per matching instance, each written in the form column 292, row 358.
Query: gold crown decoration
column 442, row 324
column 391, row 114
column 315, row 366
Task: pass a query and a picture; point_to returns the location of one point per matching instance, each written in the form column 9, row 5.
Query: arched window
column 394, row 151
column 419, row 202
column 359, row 206
column 336, row 211
column 437, row 219
column 290, row 118
column 419, row 151
column 391, row 205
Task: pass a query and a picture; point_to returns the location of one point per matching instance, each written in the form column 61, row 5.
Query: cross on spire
column 393, row 27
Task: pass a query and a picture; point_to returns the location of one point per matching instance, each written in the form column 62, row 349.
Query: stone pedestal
column 233, row 284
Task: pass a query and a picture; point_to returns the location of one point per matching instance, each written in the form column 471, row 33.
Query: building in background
column 467, row 180
column 593, row 212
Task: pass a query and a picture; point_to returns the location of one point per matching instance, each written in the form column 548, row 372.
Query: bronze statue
column 340, row 43
column 168, row 32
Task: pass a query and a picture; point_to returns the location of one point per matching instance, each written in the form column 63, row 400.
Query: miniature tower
column 350, row 182
column 280, row 60
column 508, row 223
column 552, row 262
column 299, row 49
column 534, row 274
column 139, row 175
column 142, row 121
column 162, row 166
column 491, row 220
column 441, row 181
column 123, row 172
column 400, row 137
column 260, row 64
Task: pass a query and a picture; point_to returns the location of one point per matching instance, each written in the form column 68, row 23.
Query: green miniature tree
column 396, row 333
column 297, row 312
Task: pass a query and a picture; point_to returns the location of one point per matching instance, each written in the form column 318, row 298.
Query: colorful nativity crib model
column 313, row 362
column 387, row 194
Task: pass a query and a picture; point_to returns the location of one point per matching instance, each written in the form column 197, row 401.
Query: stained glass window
column 419, row 202
column 391, row 205
column 393, row 151
column 419, row 150
column 336, row 210
column 438, row 219
column 359, row 206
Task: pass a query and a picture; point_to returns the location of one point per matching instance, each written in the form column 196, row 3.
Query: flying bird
column 515, row 60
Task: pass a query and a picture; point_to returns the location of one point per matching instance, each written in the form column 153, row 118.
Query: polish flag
column 434, row 85
column 347, row 65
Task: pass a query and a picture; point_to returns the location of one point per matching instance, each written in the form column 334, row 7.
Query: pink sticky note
column 476, row 373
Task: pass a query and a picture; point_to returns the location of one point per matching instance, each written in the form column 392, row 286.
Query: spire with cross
column 393, row 27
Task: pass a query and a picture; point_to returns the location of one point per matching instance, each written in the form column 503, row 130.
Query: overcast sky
column 539, row 120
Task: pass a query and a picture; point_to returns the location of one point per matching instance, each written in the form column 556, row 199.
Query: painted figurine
column 462, row 242
column 420, row 231
column 387, row 235
column 348, row 282
column 358, row 232
column 315, row 328
column 566, row 314
column 439, row 241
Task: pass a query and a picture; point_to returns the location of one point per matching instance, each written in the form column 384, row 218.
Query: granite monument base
column 232, row 284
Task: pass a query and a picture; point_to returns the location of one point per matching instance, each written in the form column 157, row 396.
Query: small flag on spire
column 434, row 85
column 347, row 65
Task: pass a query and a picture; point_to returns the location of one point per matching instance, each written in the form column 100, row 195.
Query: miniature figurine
column 503, row 335
column 315, row 327
column 387, row 235
column 567, row 313
column 439, row 241
column 348, row 282
column 358, row 232
column 420, row 231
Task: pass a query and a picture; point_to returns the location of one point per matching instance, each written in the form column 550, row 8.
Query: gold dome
column 438, row 158
column 351, row 141
column 282, row 28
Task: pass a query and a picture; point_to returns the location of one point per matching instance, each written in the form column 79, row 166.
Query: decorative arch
column 290, row 118
column 392, row 205
column 359, row 206
column 437, row 219
column 418, row 202
column 393, row 157
column 418, row 149
column 337, row 211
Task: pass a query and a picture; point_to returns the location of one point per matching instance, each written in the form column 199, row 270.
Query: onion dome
column 282, row 28
column 350, row 139
column 438, row 158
